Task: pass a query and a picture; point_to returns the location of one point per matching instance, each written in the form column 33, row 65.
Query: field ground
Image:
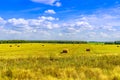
column 37, row 61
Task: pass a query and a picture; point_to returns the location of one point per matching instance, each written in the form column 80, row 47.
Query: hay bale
column 118, row 46
column 51, row 58
column 43, row 45
column 10, row 46
column 64, row 51
column 18, row 46
column 88, row 50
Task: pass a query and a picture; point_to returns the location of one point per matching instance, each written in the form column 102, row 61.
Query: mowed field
column 38, row 61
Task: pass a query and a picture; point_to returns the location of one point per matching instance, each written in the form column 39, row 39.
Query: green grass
column 37, row 62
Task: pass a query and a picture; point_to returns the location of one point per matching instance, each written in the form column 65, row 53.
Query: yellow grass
column 36, row 62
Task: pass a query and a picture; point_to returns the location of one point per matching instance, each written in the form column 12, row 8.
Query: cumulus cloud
column 76, row 26
column 50, row 11
column 103, row 26
column 90, row 27
column 58, row 4
column 97, row 26
column 48, row 18
column 21, row 27
column 2, row 21
column 103, row 22
column 19, row 21
column 85, row 27
column 49, row 2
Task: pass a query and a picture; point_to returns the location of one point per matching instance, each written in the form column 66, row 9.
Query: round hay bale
column 43, row 45
column 10, row 46
column 64, row 51
column 18, row 46
column 88, row 49
column 118, row 46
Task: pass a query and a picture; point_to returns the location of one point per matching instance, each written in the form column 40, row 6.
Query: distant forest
column 41, row 41
column 57, row 41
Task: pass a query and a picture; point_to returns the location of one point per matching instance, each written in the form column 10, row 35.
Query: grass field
column 46, row 62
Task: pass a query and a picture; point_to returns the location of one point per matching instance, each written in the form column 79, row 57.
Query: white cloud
column 2, row 21
column 19, row 21
column 90, row 27
column 76, row 26
column 97, row 26
column 21, row 25
column 58, row 4
column 48, row 18
column 49, row 2
column 20, row 28
column 50, row 11
column 104, row 22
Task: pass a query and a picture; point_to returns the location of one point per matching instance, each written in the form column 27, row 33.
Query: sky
column 87, row 20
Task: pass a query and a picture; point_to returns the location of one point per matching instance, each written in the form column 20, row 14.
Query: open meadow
column 43, row 61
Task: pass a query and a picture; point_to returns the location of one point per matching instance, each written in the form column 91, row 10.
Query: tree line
column 42, row 41
column 112, row 42
column 57, row 41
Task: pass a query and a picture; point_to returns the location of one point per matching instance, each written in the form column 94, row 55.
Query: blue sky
column 89, row 20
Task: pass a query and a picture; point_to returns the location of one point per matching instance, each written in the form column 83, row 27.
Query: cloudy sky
column 89, row 20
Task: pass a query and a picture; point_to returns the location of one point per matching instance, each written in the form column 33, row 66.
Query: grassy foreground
column 45, row 62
